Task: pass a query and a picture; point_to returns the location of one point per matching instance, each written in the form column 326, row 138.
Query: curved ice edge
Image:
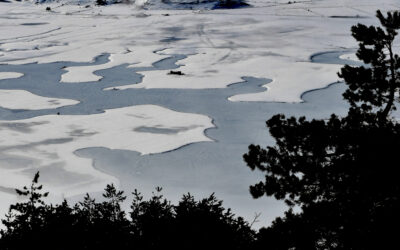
column 318, row 89
column 170, row 62
column 336, row 59
column 76, row 152
column 7, row 75
column 77, row 102
column 245, row 79
column 207, row 138
column 205, row 133
column 315, row 55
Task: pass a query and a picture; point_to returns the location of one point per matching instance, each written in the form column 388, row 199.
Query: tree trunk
column 392, row 82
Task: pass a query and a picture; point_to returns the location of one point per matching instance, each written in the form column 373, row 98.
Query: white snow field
column 10, row 75
column 271, row 39
column 21, row 99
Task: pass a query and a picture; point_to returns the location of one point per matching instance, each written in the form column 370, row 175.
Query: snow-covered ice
column 10, row 75
column 47, row 143
column 139, row 58
column 21, row 99
column 217, row 48
column 265, row 41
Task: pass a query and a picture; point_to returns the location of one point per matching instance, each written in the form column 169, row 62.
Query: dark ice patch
column 10, row 161
column 33, row 24
column 20, row 127
column 142, row 15
column 171, row 39
column 174, row 29
column 81, row 133
column 166, row 131
column 7, row 189
column 54, row 102
column 35, row 144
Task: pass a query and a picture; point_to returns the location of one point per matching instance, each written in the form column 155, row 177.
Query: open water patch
column 200, row 168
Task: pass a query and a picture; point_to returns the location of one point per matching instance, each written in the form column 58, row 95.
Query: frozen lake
column 87, row 97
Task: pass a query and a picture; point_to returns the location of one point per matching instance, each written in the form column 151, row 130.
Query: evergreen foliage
column 340, row 172
column 372, row 89
column 153, row 223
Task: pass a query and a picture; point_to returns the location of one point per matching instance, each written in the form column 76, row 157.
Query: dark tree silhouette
column 152, row 221
column 373, row 88
column 207, row 224
column 88, row 225
column 23, row 219
column 203, row 224
column 340, row 172
column 154, row 224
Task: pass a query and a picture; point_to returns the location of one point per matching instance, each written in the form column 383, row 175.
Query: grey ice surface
column 200, row 168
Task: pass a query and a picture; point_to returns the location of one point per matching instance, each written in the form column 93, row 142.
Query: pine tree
column 340, row 172
column 373, row 87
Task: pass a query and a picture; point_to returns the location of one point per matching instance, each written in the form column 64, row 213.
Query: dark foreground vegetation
column 150, row 224
column 342, row 173
column 339, row 178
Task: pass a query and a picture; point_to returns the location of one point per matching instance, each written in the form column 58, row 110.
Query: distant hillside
column 159, row 4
